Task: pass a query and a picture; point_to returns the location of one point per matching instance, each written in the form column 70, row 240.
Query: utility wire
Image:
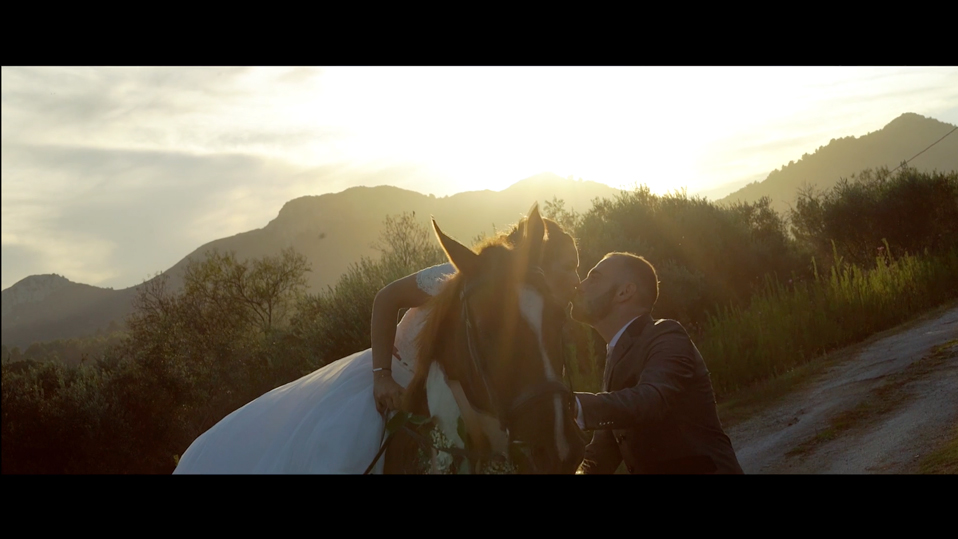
column 925, row 150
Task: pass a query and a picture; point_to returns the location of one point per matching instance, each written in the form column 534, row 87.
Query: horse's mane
column 441, row 316
column 440, row 308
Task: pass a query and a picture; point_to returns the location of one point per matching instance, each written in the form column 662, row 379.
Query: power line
column 925, row 150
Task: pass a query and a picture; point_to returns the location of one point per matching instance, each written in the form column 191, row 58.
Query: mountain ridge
column 899, row 140
column 332, row 230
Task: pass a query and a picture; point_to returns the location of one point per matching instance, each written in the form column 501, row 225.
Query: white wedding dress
column 324, row 423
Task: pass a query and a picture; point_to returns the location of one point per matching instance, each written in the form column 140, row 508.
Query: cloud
column 127, row 214
column 300, row 75
column 22, row 261
column 116, row 217
column 211, row 110
column 949, row 116
column 785, row 145
column 49, row 103
column 78, row 256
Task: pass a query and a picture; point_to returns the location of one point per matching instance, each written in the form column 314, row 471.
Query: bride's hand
column 387, row 393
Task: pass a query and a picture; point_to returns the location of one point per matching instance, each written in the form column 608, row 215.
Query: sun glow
column 469, row 128
column 484, row 128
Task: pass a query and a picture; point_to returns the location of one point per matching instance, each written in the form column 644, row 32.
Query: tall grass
column 788, row 324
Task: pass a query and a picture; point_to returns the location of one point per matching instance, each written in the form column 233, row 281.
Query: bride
column 331, row 421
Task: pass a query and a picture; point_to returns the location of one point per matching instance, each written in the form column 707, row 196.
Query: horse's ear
column 461, row 256
column 533, row 235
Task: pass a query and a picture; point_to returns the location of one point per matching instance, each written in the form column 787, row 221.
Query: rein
column 401, row 421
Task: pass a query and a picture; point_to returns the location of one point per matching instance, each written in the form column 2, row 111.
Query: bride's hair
column 556, row 238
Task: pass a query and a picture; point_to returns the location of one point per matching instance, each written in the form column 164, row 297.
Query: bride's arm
column 400, row 294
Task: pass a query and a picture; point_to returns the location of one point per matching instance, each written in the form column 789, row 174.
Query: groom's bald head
column 635, row 269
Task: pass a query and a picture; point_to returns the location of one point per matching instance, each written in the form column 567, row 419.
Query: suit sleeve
column 602, row 455
column 667, row 373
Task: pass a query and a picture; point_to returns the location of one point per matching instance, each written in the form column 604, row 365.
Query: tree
column 406, row 243
column 911, row 210
column 567, row 219
column 260, row 291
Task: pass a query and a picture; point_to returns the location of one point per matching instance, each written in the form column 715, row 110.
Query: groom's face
column 593, row 299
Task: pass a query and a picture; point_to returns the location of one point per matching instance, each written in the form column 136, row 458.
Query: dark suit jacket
column 657, row 411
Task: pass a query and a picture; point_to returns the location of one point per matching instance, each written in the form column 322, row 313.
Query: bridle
column 506, row 412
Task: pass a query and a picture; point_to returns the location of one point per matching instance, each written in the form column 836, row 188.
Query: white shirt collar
column 611, row 346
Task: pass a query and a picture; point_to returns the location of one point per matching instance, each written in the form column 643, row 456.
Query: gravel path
column 919, row 402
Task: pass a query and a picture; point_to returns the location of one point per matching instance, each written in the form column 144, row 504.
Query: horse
column 490, row 353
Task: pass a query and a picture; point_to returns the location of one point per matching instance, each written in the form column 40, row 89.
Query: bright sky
column 112, row 174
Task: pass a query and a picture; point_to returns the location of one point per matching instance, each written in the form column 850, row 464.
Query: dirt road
column 879, row 411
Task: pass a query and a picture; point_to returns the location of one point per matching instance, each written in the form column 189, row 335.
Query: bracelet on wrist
column 382, row 369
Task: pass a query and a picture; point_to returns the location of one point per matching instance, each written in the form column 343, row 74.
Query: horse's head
column 507, row 352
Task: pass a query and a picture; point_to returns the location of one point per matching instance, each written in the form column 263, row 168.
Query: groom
column 657, row 411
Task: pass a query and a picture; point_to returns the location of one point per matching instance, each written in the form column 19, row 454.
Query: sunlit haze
column 112, row 174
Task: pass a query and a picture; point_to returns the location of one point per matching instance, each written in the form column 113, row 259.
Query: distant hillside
column 718, row 192
column 47, row 307
column 34, row 288
column 332, row 231
column 898, row 141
